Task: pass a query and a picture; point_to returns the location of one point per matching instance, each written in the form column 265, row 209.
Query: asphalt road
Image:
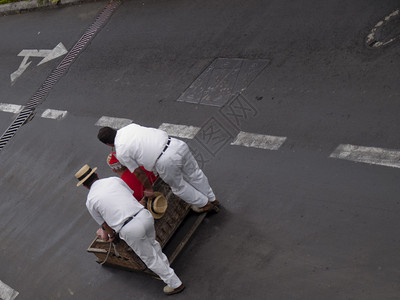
column 295, row 223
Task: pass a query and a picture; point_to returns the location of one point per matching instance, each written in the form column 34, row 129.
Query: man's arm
column 110, row 232
column 144, row 179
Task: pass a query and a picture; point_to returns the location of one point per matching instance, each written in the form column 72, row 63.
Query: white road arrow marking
column 47, row 55
column 58, row 51
column 21, row 69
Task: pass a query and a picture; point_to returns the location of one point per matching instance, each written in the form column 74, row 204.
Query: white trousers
column 140, row 235
column 180, row 170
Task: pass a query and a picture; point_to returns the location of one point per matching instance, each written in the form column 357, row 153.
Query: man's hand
column 143, row 202
column 102, row 234
column 149, row 193
column 143, row 178
column 108, row 232
column 111, row 238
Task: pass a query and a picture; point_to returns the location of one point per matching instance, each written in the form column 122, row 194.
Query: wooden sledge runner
column 121, row 255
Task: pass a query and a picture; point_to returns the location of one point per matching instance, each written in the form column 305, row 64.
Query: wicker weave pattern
column 165, row 227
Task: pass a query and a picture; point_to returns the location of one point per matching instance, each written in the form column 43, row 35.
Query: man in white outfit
column 112, row 205
column 137, row 146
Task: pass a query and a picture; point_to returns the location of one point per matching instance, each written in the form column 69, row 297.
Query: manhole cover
column 224, row 78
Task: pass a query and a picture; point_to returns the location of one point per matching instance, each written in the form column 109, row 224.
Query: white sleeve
column 124, row 184
column 130, row 164
column 126, row 160
column 95, row 215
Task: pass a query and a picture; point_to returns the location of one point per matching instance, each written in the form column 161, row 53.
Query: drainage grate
column 22, row 117
column 42, row 92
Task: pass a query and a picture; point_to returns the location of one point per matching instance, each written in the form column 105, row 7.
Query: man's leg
column 169, row 168
column 195, row 176
column 139, row 234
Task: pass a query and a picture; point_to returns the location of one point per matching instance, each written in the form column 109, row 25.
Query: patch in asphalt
column 224, row 78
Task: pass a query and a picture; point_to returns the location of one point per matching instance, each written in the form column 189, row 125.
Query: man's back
column 140, row 144
column 111, row 200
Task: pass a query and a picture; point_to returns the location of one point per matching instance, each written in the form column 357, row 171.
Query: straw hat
column 84, row 173
column 113, row 162
column 158, row 205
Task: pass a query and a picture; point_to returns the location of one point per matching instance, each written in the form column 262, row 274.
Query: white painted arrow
column 21, row 69
column 47, row 55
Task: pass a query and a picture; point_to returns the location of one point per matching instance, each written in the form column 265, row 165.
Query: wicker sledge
column 120, row 255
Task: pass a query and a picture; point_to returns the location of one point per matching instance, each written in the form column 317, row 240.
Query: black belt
column 130, row 218
column 127, row 221
column 165, row 148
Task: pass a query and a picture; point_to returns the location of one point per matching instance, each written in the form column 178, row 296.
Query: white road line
column 12, row 108
column 7, row 293
column 47, row 55
column 115, row 123
column 261, row 141
column 369, row 155
column 181, row 131
column 54, row 114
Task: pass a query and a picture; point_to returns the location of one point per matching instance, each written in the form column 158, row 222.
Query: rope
column 108, row 253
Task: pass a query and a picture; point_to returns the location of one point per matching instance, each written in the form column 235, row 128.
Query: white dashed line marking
column 260, row 141
column 369, row 155
column 11, row 108
column 112, row 122
column 54, row 114
column 181, row 131
column 48, row 113
column 7, row 293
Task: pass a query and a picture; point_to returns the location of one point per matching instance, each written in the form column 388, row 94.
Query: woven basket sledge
column 165, row 227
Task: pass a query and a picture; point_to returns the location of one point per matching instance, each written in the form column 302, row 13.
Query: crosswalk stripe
column 12, row 108
column 260, row 141
column 369, row 155
column 6, row 292
column 112, row 122
column 54, row 114
column 181, row 131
